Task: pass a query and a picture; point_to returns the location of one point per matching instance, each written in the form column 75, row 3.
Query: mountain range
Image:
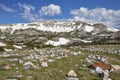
column 57, row 33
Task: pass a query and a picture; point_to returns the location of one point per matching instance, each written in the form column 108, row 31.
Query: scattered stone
column 115, row 68
column 16, row 68
column 4, row 54
column 8, row 50
column 18, row 47
column 75, row 53
column 13, row 64
column 50, row 54
column 41, row 59
column 106, row 75
column 104, row 60
column 2, row 44
column 12, row 79
column 44, row 64
column 51, row 60
column 13, row 59
column 20, row 61
column 29, row 77
column 76, row 65
column 5, row 67
column 58, row 57
column 92, row 71
column 29, row 65
column 99, row 64
column 99, row 70
column 89, row 61
column 19, row 76
column 84, row 65
column 71, row 75
column 107, row 78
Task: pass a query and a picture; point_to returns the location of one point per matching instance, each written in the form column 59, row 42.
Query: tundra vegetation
column 59, row 65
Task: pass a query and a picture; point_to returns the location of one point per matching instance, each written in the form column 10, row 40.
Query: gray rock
column 20, row 61
column 12, row 79
column 44, row 64
column 5, row 67
column 28, row 65
column 19, row 76
column 99, row 70
column 29, row 77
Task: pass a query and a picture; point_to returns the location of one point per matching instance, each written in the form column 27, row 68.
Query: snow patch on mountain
column 89, row 28
column 85, row 41
column 2, row 44
column 55, row 28
column 79, row 26
column 3, row 27
column 62, row 41
column 112, row 29
column 18, row 47
column 21, row 26
column 8, row 50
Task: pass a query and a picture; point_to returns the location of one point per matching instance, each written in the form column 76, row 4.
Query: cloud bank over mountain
column 102, row 15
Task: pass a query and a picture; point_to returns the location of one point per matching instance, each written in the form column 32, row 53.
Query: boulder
column 115, row 68
column 115, row 35
column 5, row 67
column 29, row 65
column 107, row 79
column 2, row 44
column 20, row 61
column 12, row 79
column 99, row 70
column 44, row 64
column 71, row 73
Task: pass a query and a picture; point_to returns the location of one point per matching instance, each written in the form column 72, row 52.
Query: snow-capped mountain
column 55, row 26
column 54, row 32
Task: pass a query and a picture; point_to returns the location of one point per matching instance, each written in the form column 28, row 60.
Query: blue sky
column 22, row 11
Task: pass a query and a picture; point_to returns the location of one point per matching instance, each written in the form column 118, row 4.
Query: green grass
column 57, row 70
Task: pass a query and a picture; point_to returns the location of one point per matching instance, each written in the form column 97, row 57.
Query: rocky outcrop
column 115, row 35
column 77, row 42
column 27, row 36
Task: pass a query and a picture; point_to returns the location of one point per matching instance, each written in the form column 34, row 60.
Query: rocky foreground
column 53, row 63
column 47, row 50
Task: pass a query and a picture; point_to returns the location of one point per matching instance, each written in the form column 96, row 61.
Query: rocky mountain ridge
column 52, row 32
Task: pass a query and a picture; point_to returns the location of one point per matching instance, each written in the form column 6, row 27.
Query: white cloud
column 107, row 16
column 27, row 8
column 28, row 12
column 5, row 8
column 50, row 10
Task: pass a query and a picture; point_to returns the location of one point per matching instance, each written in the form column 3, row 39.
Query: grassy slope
column 57, row 70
